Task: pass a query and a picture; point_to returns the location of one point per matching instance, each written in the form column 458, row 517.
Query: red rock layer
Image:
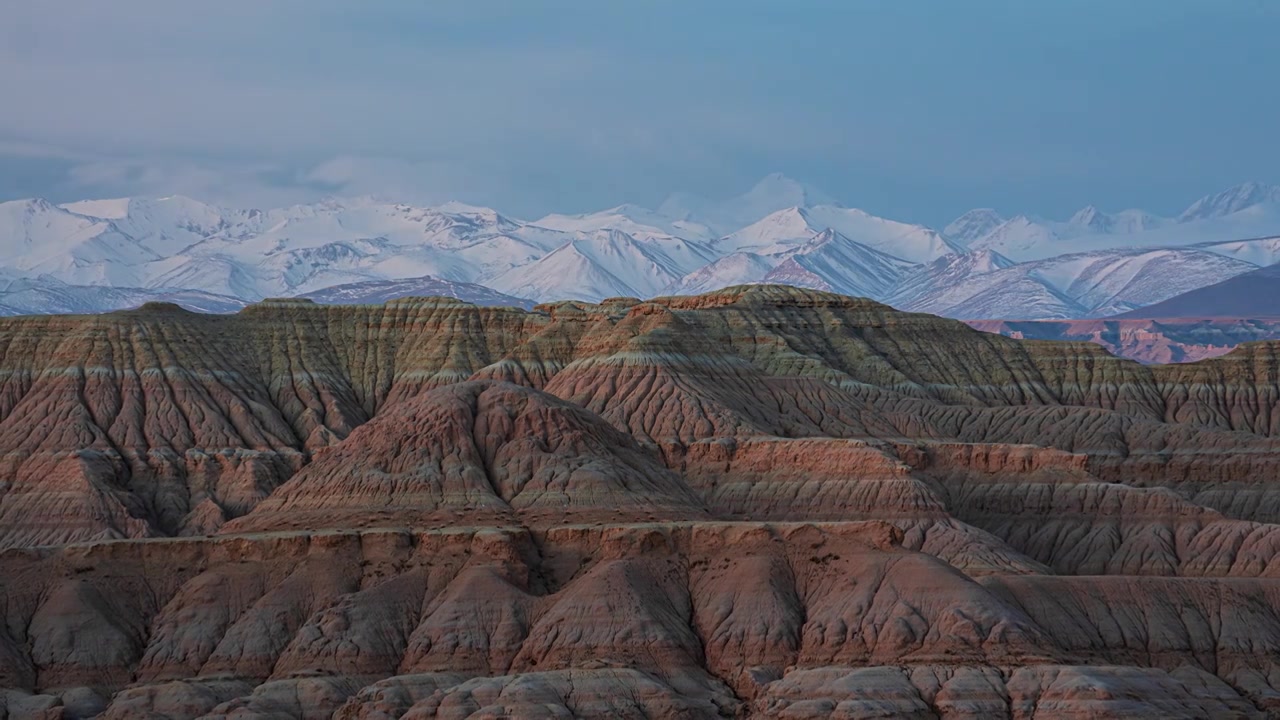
column 761, row 502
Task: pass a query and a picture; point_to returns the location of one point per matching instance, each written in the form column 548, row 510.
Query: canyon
column 758, row 502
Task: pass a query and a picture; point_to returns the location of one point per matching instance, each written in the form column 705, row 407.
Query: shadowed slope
column 759, row 502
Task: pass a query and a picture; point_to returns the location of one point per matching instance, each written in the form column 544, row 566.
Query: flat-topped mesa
column 281, row 302
column 769, row 295
column 154, row 307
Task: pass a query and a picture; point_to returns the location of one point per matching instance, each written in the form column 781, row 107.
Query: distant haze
column 909, row 110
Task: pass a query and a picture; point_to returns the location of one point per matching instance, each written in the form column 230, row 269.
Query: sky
column 909, row 109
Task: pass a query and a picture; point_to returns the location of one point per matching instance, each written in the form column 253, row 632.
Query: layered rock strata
column 761, row 502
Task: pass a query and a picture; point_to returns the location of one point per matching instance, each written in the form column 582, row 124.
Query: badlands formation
column 758, row 502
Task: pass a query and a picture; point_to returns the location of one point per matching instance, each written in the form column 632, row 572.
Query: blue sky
column 915, row 110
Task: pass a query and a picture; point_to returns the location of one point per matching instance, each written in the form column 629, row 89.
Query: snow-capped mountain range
column 97, row 255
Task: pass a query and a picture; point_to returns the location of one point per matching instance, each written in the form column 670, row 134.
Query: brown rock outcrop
column 760, row 502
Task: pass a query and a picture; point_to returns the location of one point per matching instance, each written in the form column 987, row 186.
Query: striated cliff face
column 760, row 502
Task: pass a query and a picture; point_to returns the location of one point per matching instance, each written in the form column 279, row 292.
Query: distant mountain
column 781, row 230
column 376, row 292
column 1254, row 294
column 833, row 262
column 1231, row 201
column 1246, row 211
column 1069, row 286
column 739, row 268
column 1259, row 251
column 31, row 296
column 973, row 225
column 932, row 281
column 1020, row 237
column 38, row 238
column 638, row 222
column 794, row 226
column 594, row 266
column 1092, row 221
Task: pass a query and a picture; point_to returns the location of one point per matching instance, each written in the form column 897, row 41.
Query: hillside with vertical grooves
column 757, row 502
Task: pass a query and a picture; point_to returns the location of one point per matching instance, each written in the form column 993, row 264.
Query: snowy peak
column 637, row 221
column 1233, row 200
column 1092, row 284
column 980, row 261
column 913, row 243
column 739, row 268
column 929, row 286
column 37, row 237
column 973, row 225
column 792, row 227
column 833, row 262
column 776, row 232
column 1019, row 237
column 781, row 230
column 592, row 267
column 1092, row 219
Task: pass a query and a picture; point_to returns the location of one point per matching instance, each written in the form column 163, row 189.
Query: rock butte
column 760, row 502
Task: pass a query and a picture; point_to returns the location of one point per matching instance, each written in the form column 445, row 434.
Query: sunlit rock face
column 759, row 502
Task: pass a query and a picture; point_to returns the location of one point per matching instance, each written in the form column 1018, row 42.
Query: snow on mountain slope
column 1231, row 201
column 290, row 250
column 949, row 271
column 835, row 263
column 380, row 291
column 1075, row 285
column 212, row 274
column 1260, row 251
column 46, row 295
column 914, row 243
column 333, row 220
column 640, row 223
column 1001, row 295
column 164, row 225
column 972, row 225
column 1092, row 221
column 791, row 227
column 1123, row 280
column 739, row 268
column 1251, row 295
column 1080, row 265
column 39, row 238
column 1247, row 211
column 592, row 267
column 108, row 209
column 1019, row 238
column 777, row 232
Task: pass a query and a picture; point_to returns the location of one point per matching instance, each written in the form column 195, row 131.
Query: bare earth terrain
column 758, row 502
